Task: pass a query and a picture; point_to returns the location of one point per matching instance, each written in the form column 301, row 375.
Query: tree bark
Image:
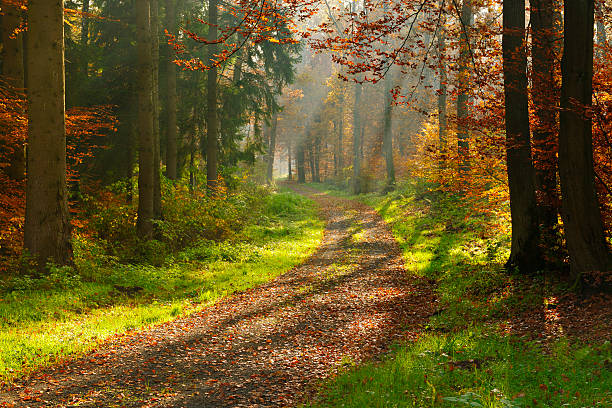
column 84, row 39
column 146, row 138
column 172, row 141
column 211, row 113
column 442, row 89
column 581, row 215
column 357, row 140
column 13, row 70
column 544, row 99
column 524, row 250
column 47, row 227
column 157, row 205
column 290, row 173
column 271, row 149
column 387, row 132
column 464, row 86
column 300, row 159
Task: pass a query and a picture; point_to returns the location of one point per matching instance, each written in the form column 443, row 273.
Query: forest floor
column 267, row 346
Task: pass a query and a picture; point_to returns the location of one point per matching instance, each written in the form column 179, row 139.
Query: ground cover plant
column 496, row 339
column 117, row 287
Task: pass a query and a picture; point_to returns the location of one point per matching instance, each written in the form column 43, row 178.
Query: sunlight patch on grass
column 40, row 326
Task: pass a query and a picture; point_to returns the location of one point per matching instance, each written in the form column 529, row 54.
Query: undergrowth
column 466, row 356
column 206, row 249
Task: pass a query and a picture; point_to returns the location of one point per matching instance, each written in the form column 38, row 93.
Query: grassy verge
column 466, row 357
column 71, row 310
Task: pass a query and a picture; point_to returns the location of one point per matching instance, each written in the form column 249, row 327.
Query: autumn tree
column 47, row 234
column 13, row 71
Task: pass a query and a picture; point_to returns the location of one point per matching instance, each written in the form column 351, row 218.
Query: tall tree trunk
column 357, row 140
column 387, row 132
column 157, row 206
column 47, row 227
column 271, row 148
column 300, row 159
column 211, row 113
column 581, row 215
column 289, row 172
column 84, row 58
column 464, row 85
column 12, row 69
column 544, row 99
column 341, row 138
column 524, row 251
column 146, row 138
column 311, row 162
column 171, row 133
column 317, row 157
column 442, row 89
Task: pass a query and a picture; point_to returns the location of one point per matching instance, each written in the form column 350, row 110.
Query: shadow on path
column 264, row 347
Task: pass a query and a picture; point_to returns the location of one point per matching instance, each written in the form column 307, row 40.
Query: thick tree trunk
column 47, row 227
column 12, row 69
column 146, row 139
column 211, row 113
column 357, row 140
column 584, row 231
column 171, row 133
column 300, row 159
column 544, row 99
column 464, row 86
column 157, row 205
column 271, row 149
column 524, row 251
column 387, row 132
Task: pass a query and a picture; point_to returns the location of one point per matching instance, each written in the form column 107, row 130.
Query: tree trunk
column 211, row 113
column 171, row 133
column 301, row 171
column 464, row 86
column 387, row 132
column 341, row 135
column 357, row 140
column 602, row 37
column 317, row 157
column 157, row 206
column 544, row 99
column 584, row 231
column 524, row 251
column 12, row 69
column 271, row 149
column 442, row 90
column 290, row 174
column 146, row 139
column 84, row 40
column 47, row 227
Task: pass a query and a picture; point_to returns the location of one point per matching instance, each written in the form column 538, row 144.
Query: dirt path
column 268, row 346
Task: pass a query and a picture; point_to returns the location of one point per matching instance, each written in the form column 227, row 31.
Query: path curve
column 265, row 347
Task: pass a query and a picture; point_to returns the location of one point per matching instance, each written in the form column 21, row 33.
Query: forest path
column 264, row 347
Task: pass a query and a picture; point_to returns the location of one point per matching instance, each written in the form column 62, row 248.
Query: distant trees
column 47, row 235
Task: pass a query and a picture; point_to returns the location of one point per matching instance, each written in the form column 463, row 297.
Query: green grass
column 70, row 311
column 463, row 359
